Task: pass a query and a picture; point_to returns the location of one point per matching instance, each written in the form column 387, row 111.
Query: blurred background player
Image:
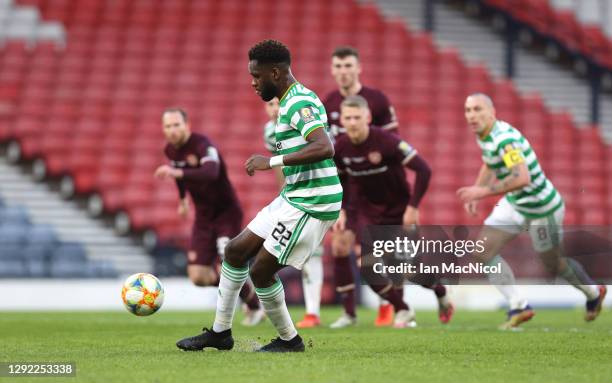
column 291, row 227
column 529, row 202
column 312, row 272
column 269, row 141
column 377, row 193
column 198, row 168
column 346, row 68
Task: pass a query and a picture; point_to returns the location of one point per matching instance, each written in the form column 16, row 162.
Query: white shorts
column 546, row 233
column 290, row 234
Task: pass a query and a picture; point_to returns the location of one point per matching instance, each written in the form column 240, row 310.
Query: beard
column 268, row 92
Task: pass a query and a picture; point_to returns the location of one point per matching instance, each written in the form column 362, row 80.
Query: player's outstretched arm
column 319, row 147
column 340, row 224
column 485, row 176
column 183, row 207
column 167, row 172
column 208, row 171
column 518, row 178
column 421, row 183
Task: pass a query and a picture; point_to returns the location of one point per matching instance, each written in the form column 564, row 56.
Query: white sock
column 312, row 280
column 575, row 275
column 273, row 301
column 230, row 283
column 506, row 284
column 443, row 301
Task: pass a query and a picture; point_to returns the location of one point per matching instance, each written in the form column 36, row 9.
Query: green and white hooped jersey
column 505, row 147
column 313, row 188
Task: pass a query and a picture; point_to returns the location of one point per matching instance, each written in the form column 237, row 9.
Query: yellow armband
column 513, row 157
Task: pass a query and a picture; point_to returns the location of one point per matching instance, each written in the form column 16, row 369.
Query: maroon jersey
column 204, row 176
column 374, row 176
column 383, row 114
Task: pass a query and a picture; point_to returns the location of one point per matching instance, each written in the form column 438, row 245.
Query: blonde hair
column 355, row 101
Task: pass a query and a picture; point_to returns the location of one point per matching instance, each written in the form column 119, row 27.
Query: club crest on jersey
column 335, row 115
column 375, row 157
column 307, row 114
column 192, row 160
column 405, row 148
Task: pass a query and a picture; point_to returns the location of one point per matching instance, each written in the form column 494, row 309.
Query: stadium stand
column 70, row 222
column 23, row 23
column 562, row 25
column 102, row 95
column 35, row 250
column 567, row 81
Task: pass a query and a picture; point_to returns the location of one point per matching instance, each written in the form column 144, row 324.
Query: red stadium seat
column 93, row 109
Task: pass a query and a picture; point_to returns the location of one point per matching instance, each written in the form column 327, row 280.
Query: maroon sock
column 438, row 289
column 248, row 296
column 399, row 290
column 345, row 283
column 392, row 295
column 348, row 301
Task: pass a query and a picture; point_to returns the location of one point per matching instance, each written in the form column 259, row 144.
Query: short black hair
column 270, row 52
column 345, row 51
column 176, row 110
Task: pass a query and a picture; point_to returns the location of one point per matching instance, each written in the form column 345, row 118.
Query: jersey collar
column 287, row 91
column 488, row 136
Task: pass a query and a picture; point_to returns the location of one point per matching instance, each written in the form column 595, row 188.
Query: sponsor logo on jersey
column 405, row 148
column 375, row 157
column 279, row 145
column 349, row 160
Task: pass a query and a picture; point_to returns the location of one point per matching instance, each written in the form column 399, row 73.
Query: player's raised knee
column 232, row 254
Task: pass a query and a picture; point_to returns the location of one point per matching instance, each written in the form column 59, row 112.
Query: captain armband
column 513, row 157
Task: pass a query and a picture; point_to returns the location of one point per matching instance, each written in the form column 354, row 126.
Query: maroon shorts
column 209, row 236
column 356, row 221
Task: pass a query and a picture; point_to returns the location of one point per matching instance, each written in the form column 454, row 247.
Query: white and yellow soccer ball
column 142, row 294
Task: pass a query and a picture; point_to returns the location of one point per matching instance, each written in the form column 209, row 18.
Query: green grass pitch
column 556, row 346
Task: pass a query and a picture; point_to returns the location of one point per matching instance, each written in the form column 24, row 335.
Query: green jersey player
column 529, row 202
column 312, row 271
column 291, row 227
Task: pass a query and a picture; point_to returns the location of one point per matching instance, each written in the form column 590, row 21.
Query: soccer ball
column 142, row 294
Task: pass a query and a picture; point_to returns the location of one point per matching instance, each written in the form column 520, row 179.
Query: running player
column 291, row 227
column 529, row 202
column 312, row 272
column 198, row 168
column 346, row 68
column 377, row 193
